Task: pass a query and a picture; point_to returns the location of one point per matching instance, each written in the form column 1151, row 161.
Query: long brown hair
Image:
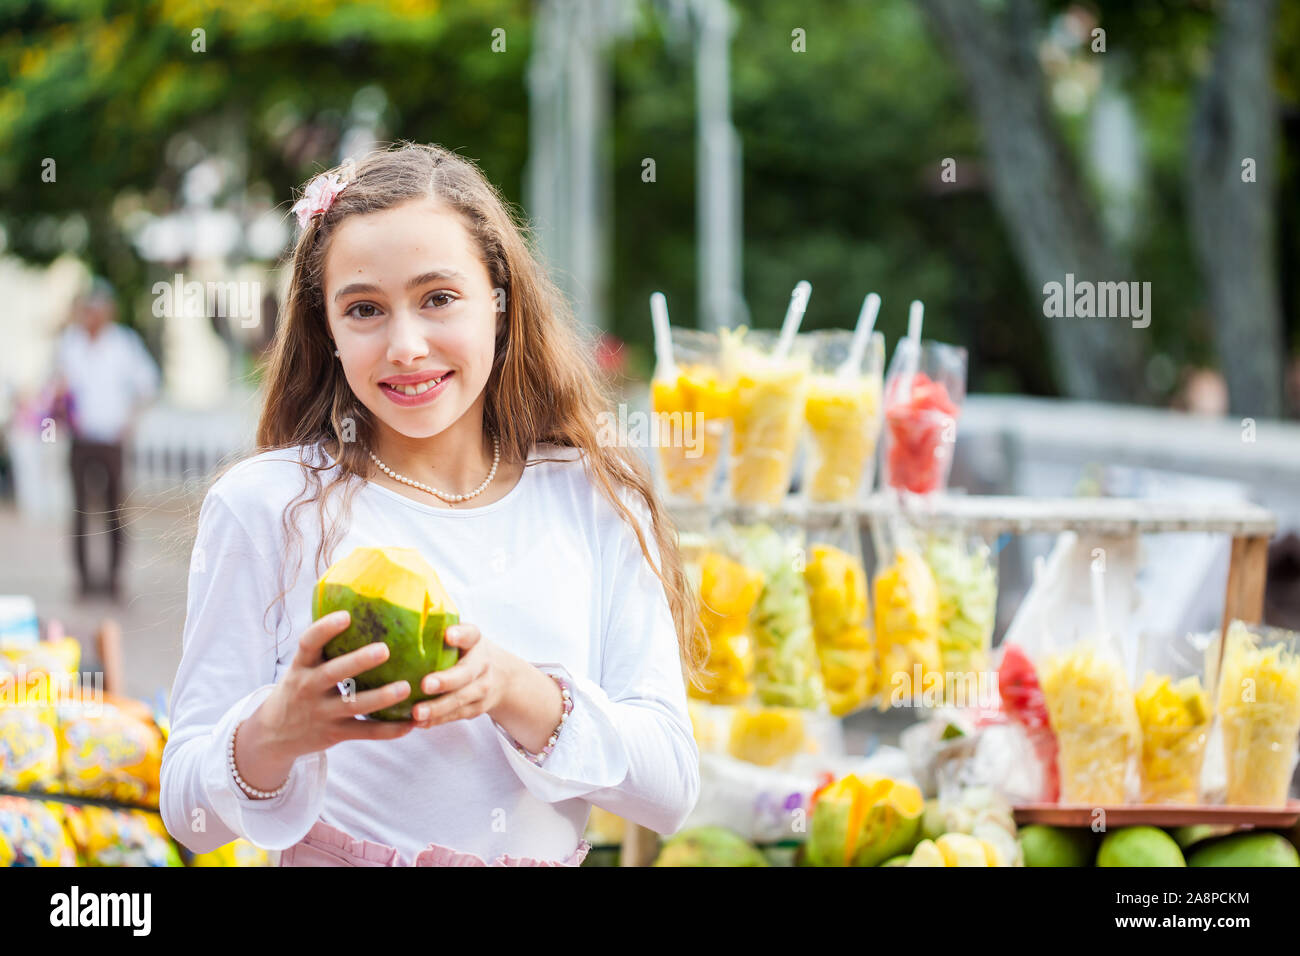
column 543, row 386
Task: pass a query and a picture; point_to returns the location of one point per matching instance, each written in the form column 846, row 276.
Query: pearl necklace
column 496, row 459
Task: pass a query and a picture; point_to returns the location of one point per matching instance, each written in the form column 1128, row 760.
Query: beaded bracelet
column 567, row 700
column 251, row 791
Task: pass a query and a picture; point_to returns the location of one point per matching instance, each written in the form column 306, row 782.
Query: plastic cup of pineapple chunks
column 1259, row 713
column 692, row 415
column 767, row 413
column 843, row 416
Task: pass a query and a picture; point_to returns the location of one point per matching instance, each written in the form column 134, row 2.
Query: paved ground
column 37, row 559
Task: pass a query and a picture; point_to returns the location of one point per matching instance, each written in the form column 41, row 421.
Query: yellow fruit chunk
column 400, row 576
column 844, row 421
column 907, row 629
column 767, row 419
column 961, row 849
column 692, row 413
column 766, row 735
column 837, row 596
column 1175, row 721
column 927, row 854
column 728, row 593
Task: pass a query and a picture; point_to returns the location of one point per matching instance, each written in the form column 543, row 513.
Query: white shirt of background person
column 109, row 375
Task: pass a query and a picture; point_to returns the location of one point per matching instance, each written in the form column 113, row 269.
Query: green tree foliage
column 842, row 144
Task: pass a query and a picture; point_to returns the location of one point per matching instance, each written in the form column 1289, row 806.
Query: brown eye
column 447, row 296
column 361, row 305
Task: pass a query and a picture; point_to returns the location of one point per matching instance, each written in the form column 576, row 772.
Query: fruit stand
column 1108, row 519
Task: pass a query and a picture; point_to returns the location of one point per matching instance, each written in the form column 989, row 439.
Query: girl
column 428, row 390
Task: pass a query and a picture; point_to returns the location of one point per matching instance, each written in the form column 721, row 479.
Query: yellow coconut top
column 400, row 576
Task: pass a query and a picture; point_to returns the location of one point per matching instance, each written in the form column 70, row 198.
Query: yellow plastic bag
column 32, row 833
column 32, row 679
column 113, row 751
column 106, row 837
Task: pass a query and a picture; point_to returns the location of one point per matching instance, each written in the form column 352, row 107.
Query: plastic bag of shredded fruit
column 837, row 592
column 1070, row 627
column 1259, row 713
column 1091, row 707
column 907, row 621
column 728, row 592
column 965, row 573
column 787, row 672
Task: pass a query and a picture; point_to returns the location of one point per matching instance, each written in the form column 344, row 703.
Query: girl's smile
column 421, row 388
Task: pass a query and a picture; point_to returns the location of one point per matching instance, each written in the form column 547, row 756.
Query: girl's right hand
column 305, row 712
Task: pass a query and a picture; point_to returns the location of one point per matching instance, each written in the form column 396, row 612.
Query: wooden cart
column 1249, row 526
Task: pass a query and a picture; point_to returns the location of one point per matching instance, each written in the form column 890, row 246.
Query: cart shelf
column 1249, row 525
column 998, row 514
column 1169, row 815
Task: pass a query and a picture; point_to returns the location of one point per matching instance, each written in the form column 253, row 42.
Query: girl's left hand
column 476, row 684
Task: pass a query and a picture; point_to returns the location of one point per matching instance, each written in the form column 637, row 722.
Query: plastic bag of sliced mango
column 1175, row 712
column 841, row 619
column 906, row 600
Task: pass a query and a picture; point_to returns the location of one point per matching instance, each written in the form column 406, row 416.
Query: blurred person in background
column 106, row 376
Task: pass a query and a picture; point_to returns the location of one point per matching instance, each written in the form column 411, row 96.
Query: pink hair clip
column 318, row 196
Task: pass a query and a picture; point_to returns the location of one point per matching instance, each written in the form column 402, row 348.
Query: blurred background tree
column 843, row 150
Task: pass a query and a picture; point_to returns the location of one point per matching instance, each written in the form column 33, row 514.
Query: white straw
column 914, row 316
column 912, row 357
column 861, row 335
column 1099, row 598
column 793, row 316
column 663, row 336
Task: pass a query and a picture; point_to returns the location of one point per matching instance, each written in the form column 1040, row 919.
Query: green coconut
column 393, row 596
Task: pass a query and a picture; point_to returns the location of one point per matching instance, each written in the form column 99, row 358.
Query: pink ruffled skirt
column 325, row 845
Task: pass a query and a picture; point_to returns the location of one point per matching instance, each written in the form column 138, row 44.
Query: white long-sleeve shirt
column 550, row 572
column 108, row 377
